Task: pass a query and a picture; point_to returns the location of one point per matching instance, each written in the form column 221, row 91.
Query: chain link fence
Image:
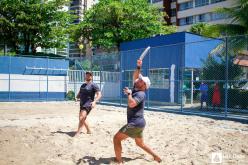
column 208, row 77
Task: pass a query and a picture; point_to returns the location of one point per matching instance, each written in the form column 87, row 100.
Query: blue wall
column 182, row 49
column 165, row 51
column 158, row 40
column 197, row 49
column 17, row 65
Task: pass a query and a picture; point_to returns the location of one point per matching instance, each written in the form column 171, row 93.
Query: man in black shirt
column 86, row 94
column 135, row 115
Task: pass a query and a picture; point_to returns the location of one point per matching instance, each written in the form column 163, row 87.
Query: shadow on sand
column 71, row 133
column 93, row 161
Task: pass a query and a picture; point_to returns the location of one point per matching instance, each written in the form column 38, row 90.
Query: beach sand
column 42, row 133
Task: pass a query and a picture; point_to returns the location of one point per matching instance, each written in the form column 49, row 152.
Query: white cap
column 146, row 80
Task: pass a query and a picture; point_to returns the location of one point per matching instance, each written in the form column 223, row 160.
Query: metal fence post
column 100, row 76
column 226, row 76
column 181, row 81
column 47, row 78
column 121, row 62
column 9, row 75
column 148, row 74
column 181, row 89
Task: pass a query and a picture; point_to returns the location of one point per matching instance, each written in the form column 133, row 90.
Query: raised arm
column 137, row 71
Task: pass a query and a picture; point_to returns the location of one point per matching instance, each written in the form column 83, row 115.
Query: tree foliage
column 28, row 24
column 205, row 29
column 110, row 22
column 218, row 66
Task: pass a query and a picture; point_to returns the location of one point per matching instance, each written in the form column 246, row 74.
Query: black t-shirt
column 87, row 93
column 135, row 116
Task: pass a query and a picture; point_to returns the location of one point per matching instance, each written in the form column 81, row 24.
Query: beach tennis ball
column 81, row 46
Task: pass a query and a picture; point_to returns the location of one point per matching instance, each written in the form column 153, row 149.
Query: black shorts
column 87, row 109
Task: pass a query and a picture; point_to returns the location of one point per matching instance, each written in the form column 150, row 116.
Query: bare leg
column 141, row 144
column 86, row 124
column 117, row 145
column 82, row 118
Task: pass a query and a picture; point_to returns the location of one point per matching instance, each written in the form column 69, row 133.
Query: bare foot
column 118, row 161
column 158, row 159
column 76, row 134
column 89, row 132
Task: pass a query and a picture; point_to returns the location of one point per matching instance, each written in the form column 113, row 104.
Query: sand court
column 42, row 133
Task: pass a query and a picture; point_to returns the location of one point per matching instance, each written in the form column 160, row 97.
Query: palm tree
column 239, row 19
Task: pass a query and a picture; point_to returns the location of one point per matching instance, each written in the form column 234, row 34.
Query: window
column 182, row 21
column 155, row 1
column 173, row 12
column 202, row 17
column 185, row 5
column 216, row 1
column 186, row 21
column 189, row 20
column 217, row 16
column 159, row 78
column 199, row 3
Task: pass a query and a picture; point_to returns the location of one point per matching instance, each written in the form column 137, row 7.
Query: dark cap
column 90, row 73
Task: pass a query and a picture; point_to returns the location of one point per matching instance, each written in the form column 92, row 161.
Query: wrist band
column 128, row 94
column 138, row 67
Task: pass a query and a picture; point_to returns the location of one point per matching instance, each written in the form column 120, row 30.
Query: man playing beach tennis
column 86, row 94
column 135, row 117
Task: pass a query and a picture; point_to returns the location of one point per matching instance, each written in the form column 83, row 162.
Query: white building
column 194, row 11
column 185, row 13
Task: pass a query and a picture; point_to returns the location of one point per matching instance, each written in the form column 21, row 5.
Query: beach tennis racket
column 144, row 53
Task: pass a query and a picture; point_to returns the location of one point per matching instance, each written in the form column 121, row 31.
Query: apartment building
column 184, row 13
column 194, row 11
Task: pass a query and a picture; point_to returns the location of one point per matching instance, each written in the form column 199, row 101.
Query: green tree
column 205, row 29
column 29, row 24
column 217, row 65
column 110, row 22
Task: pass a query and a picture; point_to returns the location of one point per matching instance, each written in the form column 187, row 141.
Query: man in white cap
column 135, row 115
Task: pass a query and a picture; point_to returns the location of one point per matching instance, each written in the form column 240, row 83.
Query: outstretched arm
column 137, row 71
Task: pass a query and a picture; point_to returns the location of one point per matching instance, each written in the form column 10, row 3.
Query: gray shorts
column 133, row 132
